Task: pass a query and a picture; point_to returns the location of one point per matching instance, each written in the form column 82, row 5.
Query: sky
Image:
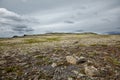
column 19, row 17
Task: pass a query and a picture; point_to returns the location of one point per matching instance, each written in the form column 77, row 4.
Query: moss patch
column 112, row 60
column 38, row 40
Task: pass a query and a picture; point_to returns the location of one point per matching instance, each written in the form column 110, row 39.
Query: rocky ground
column 60, row 57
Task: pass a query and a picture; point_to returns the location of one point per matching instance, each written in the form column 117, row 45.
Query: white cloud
column 5, row 12
column 62, row 15
column 97, row 16
column 11, row 22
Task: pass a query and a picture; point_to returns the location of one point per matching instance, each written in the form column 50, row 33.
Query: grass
column 38, row 40
column 2, row 44
column 53, row 39
column 11, row 69
column 81, row 45
column 42, row 60
column 92, row 54
column 6, row 44
column 39, row 56
column 24, row 56
column 29, row 41
column 102, row 45
column 113, row 61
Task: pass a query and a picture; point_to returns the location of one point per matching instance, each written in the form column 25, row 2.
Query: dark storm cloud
column 113, row 32
column 118, row 27
column 106, row 20
column 79, row 30
column 22, row 28
column 69, row 22
column 14, row 18
column 11, row 22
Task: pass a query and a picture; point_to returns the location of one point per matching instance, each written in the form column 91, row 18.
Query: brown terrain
column 60, row 57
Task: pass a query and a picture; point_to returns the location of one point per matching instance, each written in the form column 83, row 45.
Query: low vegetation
column 38, row 40
column 43, row 57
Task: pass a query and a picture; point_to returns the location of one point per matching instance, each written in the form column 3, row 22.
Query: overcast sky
column 18, row 17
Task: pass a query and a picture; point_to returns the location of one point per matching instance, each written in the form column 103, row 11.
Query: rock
column 76, row 42
column 54, row 65
column 91, row 71
column 36, row 78
column 81, row 75
column 2, row 62
column 75, row 59
column 76, row 72
column 70, row 78
column 71, row 59
column 81, row 60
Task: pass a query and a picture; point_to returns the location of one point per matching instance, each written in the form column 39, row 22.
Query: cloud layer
column 91, row 16
column 100, row 16
column 13, row 24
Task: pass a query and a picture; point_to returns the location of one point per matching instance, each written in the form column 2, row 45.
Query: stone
column 2, row 62
column 54, row 65
column 76, row 60
column 91, row 71
column 76, row 72
column 81, row 60
column 80, row 75
column 71, row 59
column 69, row 78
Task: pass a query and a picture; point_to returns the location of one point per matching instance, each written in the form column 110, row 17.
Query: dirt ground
column 43, row 57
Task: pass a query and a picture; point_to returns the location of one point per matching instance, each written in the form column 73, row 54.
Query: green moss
column 105, row 36
column 118, row 46
column 82, row 71
column 2, row 44
column 92, row 54
column 37, row 40
column 44, row 76
column 112, row 60
column 11, row 69
column 93, row 44
column 53, row 39
column 47, row 60
column 10, row 44
column 33, row 40
column 102, row 45
column 43, row 60
column 39, row 63
column 82, row 45
column 58, row 50
column 39, row 56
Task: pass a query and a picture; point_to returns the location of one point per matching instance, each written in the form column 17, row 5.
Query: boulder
column 81, row 60
column 54, row 65
column 75, row 60
column 91, row 71
column 71, row 59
